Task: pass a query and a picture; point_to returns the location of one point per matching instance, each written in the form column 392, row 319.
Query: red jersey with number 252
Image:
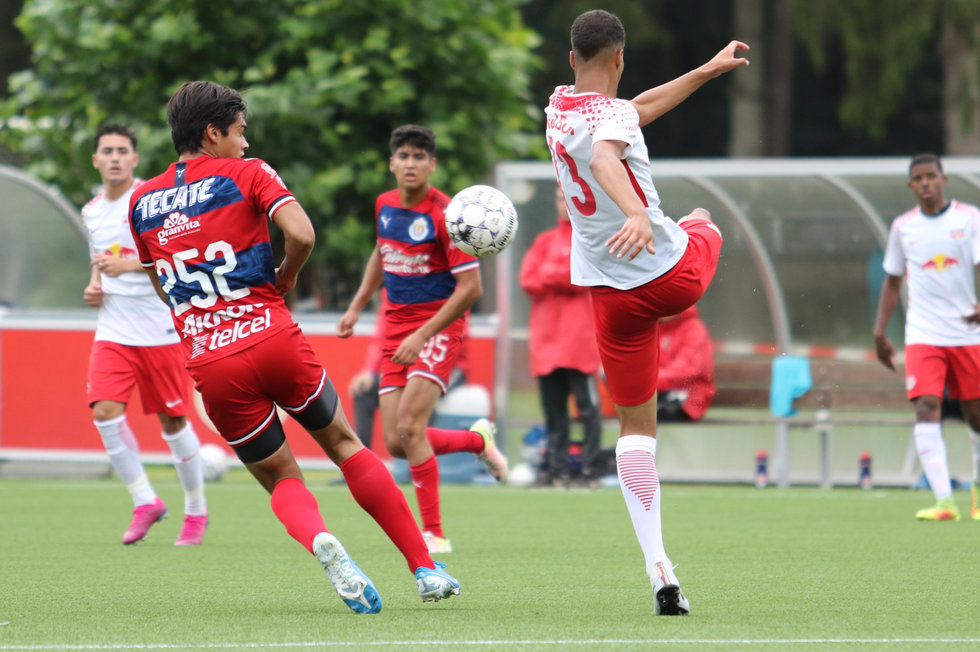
column 418, row 259
column 203, row 225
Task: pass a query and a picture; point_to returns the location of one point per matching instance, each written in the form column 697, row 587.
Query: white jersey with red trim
column 131, row 312
column 574, row 122
column 937, row 254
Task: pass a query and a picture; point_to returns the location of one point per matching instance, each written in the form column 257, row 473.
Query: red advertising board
column 43, row 402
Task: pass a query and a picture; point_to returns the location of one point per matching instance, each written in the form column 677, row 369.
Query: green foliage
column 884, row 44
column 326, row 82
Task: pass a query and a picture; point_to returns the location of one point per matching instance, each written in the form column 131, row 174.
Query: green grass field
column 799, row 569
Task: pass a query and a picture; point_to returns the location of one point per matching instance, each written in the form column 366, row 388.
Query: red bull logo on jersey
column 120, row 251
column 940, row 263
column 176, row 225
column 239, row 330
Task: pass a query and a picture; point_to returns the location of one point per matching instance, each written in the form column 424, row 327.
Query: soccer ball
column 215, row 462
column 481, row 220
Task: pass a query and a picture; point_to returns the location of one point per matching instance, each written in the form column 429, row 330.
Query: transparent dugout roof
column 804, row 240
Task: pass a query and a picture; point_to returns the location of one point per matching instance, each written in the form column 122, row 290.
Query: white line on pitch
column 443, row 643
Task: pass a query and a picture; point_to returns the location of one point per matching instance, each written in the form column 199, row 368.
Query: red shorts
column 115, row 369
column 627, row 321
column 435, row 362
column 929, row 370
column 240, row 391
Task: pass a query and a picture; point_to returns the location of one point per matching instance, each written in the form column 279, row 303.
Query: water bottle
column 535, row 447
column 761, row 469
column 574, row 459
column 864, row 478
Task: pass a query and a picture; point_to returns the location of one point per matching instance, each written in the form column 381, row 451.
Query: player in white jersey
column 639, row 264
column 135, row 345
column 936, row 246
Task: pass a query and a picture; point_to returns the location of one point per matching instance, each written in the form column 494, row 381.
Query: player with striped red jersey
column 202, row 232
column 640, row 265
column 431, row 285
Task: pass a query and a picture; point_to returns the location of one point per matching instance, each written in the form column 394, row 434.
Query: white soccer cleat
column 354, row 587
column 668, row 600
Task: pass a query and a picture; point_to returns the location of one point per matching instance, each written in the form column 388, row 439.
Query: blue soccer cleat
column 354, row 587
column 435, row 583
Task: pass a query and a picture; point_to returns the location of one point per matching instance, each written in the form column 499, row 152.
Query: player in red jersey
column 135, row 346
column 202, row 232
column 430, row 285
column 640, row 264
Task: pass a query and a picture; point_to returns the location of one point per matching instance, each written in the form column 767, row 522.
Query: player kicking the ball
column 201, row 229
column 430, row 284
column 640, row 265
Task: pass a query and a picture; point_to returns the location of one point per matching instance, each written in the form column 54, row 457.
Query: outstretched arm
column 653, row 103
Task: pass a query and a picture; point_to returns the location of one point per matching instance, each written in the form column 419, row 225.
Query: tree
column 885, row 46
column 326, row 82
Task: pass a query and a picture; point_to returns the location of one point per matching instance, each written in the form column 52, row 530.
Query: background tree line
column 327, row 80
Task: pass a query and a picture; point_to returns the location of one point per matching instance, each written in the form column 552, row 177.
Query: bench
column 851, row 392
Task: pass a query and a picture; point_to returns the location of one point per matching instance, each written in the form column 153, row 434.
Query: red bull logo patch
column 940, row 263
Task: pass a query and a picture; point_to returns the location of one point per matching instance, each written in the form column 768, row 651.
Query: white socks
column 186, row 450
column 637, row 471
column 124, row 455
column 931, row 448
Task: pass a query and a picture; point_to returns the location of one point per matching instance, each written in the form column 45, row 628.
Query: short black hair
column 117, row 130
column 596, row 30
column 414, row 136
column 197, row 104
column 925, row 157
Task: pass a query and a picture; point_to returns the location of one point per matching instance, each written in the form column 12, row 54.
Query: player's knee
column 106, row 410
column 696, row 214
column 171, row 425
column 394, row 447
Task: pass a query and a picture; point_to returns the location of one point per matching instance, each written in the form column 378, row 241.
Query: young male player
column 640, row 265
column 936, row 245
column 202, row 232
column 430, row 284
column 135, row 346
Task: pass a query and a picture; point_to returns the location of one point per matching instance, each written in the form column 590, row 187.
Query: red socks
column 295, row 506
column 375, row 491
column 425, row 477
column 454, row 441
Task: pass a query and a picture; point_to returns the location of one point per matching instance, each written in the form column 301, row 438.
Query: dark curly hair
column 197, row 104
column 596, row 30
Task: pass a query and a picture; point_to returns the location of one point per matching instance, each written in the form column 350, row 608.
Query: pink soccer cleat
column 491, row 456
column 143, row 517
column 192, row 533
